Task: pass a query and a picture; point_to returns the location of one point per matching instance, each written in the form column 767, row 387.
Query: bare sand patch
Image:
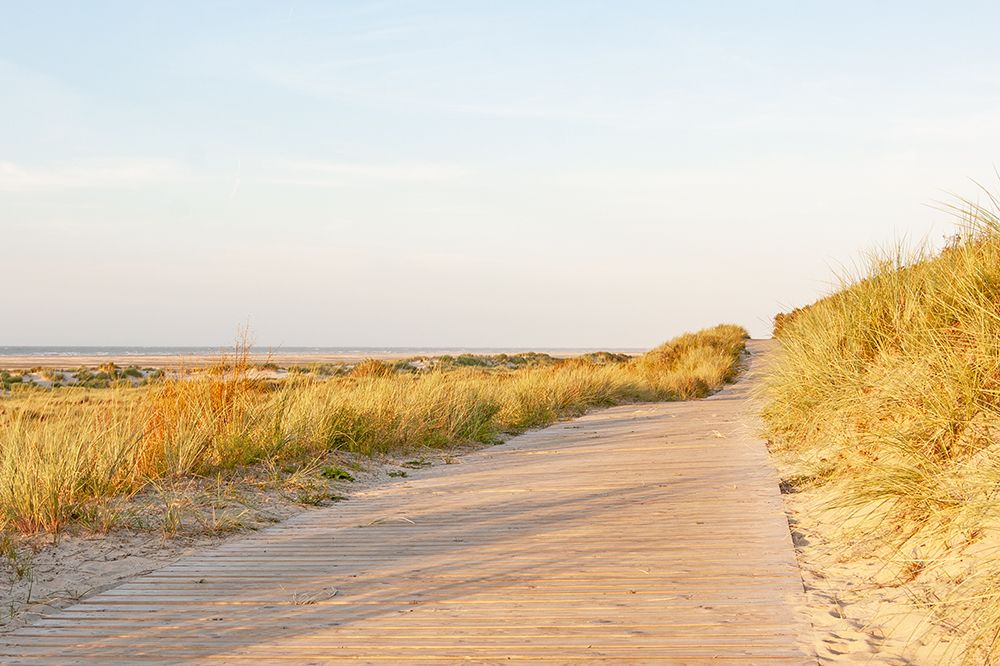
column 865, row 607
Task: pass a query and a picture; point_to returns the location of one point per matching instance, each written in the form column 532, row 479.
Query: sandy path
column 650, row 533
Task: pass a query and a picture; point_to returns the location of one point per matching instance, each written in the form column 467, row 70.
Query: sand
column 862, row 612
column 861, row 609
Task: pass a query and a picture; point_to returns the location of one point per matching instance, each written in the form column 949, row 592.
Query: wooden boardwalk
column 640, row 534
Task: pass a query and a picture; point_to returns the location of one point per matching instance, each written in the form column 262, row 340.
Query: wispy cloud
column 16, row 177
column 346, row 174
column 130, row 174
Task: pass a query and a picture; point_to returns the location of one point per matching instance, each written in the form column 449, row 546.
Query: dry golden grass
column 62, row 453
column 888, row 392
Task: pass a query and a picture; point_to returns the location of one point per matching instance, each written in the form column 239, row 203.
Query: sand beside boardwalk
column 863, row 609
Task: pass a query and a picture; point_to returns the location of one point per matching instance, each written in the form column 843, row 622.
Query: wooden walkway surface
column 639, row 534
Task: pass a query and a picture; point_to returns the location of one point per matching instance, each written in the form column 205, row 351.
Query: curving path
column 641, row 534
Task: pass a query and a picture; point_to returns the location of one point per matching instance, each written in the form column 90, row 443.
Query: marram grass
column 888, row 392
column 63, row 452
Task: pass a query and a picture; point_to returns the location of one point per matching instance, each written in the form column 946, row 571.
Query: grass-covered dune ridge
column 66, row 451
column 889, row 392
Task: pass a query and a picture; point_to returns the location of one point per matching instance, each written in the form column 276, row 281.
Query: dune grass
column 888, row 392
column 64, row 452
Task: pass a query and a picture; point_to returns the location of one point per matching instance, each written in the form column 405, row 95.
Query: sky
column 508, row 173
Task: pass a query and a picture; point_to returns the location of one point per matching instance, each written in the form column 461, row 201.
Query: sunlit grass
column 888, row 392
column 63, row 452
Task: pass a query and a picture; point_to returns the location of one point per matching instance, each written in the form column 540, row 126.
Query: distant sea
column 55, row 352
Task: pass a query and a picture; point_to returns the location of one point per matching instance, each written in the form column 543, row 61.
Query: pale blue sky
column 469, row 173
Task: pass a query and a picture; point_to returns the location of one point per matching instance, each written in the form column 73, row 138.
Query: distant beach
column 13, row 357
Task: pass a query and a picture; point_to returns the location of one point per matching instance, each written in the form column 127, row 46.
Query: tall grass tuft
column 888, row 391
column 62, row 453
